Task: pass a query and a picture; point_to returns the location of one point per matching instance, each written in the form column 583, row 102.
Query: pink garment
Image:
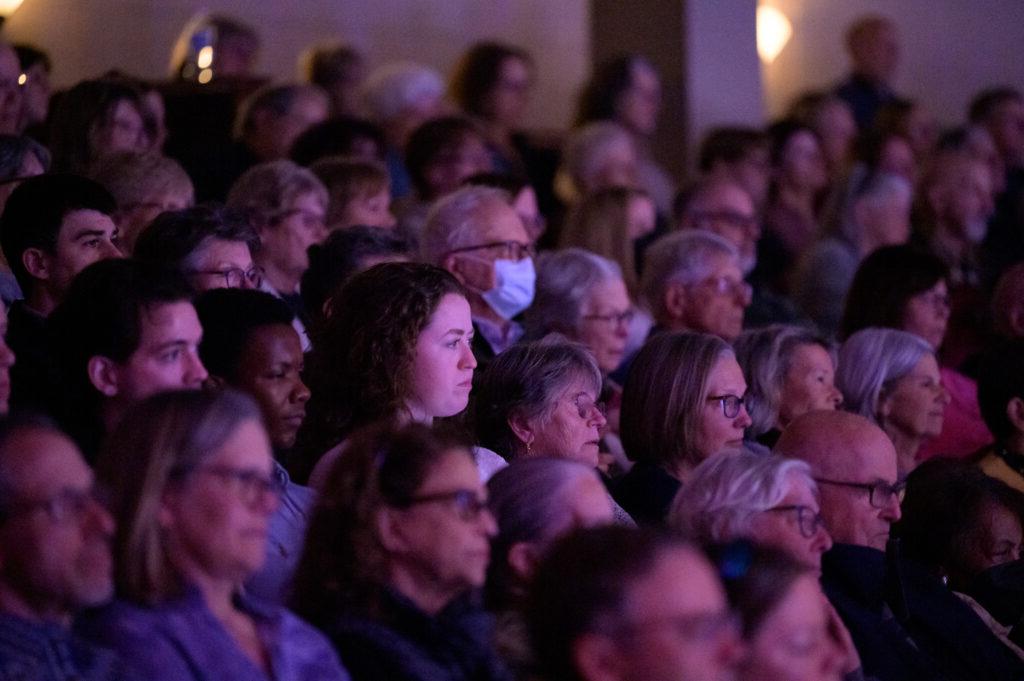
column 963, row 430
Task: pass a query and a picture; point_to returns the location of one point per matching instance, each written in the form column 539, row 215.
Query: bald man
column 906, row 623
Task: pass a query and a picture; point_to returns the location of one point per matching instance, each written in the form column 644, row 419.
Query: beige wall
column 87, row 37
column 952, row 48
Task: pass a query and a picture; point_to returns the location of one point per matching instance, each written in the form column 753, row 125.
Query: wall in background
column 87, row 37
column 951, row 49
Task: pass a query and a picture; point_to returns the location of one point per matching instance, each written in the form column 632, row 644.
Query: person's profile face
column 56, row 547
column 716, row 304
column 809, row 384
column 85, row 237
column 441, row 375
column 217, row 264
column 572, row 428
column 270, row 368
column 604, row 322
column 168, row 354
column 718, row 432
column 791, row 526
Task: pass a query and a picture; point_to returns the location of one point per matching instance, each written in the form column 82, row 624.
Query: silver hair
column 564, row 280
column 765, row 355
column 267, row 189
column 873, row 189
column 584, row 153
column 724, row 493
column 870, row 361
column 455, row 221
column 681, row 257
column 393, row 88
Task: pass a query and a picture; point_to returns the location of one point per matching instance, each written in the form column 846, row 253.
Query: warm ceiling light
column 7, row 7
column 773, row 32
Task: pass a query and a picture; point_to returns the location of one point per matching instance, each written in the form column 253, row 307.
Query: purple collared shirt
column 181, row 640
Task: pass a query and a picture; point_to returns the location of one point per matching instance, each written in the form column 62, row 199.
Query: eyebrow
column 89, row 233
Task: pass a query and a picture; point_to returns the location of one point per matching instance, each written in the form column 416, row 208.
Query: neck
column 420, row 588
column 14, row 603
column 112, row 411
column 40, row 301
column 907, row 447
column 283, row 282
column 479, row 308
column 217, row 593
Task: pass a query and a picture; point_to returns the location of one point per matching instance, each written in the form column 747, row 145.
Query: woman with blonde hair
column 192, row 490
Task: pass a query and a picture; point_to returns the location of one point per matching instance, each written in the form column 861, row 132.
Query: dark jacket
column 645, row 492
column 402, row 643
column 911, row 628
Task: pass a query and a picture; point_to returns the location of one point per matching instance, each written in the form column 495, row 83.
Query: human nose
column 195, row 372
column 111, row 250
column 597, row 417
column 487, row 522
column 7, row 356
column 943, row 396
column 822, row 540
column 743, row 419
column 99, row 518
column 300, row 391
column 468, row 359
column 891, row 511
column 836, row 397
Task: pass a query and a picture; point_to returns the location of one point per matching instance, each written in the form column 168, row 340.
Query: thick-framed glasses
column 880, row 494
column 615, row 318
column 250, row 484
column 235, row 277
column 807, row 520
column 502, row 250
column 65, row 505
column 468, row 506
column 730, row 404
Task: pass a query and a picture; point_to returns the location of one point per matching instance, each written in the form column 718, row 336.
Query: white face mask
column 514, row 284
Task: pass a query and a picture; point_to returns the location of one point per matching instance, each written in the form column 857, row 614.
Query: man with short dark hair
column 52, row 227
column 737, row 154
column 609, row 603
column 125, row 331
column 54, row 556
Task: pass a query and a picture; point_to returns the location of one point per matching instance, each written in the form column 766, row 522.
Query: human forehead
column 811, row 356
column 451, row 314
column 575, row 384
column 247, row 447
column 609, row 294
column 274, row 343
column 726, row 376
column 214, row 252
column 166, row 322
column 798, row 491
column 308, row 200
column 455, row 469
column 662, row 593
column 870, row 455
column 85, row 219
column 39, row 461
column 726, row 196
column 498, row 221
column 722, row 265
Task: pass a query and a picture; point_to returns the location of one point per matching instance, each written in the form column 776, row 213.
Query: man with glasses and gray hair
column 905, row 623
column 54, row 556
column 475, row 234
column 692, row 281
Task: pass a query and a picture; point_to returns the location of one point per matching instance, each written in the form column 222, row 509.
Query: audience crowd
column 355, row 377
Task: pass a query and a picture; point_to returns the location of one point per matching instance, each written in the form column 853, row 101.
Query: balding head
column 846, row 448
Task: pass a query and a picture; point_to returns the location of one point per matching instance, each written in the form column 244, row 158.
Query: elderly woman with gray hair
column 790, row 370
column 534, row 501
column 892, row 377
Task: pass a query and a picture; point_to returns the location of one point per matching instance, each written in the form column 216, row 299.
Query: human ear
column 523, row 558
column 1015, row 413
column 596, row 658
column 214, row 382
column 103, row 375
column 676, row 300
column 521, row 428
column 36, row 263
column 389, row 530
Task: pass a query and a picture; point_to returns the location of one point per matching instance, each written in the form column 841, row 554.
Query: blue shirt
column 40, row 651
column 285, row 539
column 181, row 640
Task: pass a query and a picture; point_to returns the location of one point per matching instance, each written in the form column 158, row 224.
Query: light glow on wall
column 7, row 7
column 773, row 32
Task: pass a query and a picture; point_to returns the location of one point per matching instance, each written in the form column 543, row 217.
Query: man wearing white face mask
column 475, row 234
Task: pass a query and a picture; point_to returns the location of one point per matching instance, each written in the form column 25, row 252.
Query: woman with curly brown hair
column 394, row 345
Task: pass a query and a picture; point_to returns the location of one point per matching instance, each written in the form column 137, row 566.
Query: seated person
column 534, row 501
column 961, row 540
column 339, row 136
column 524, row 199
column 1001, row 398
column 739, row 155
column 143, row 185
column 94, row 119
column 286, row 205
column 126, row 330
column 210, row 246
column 904, row 621
column 477, row 236
column 250, row 345
column 692, row 281
column 785, row 620
column 892, row 378
column 339, row 69
column 722, row 206
column 682, row 403
column 190, row 477
column 52, row 227
column 790, row 371
column 441, row 154
column 358, row 193
column 605, row 603
column 55, row 549
column 343, row 255
column 397, row 544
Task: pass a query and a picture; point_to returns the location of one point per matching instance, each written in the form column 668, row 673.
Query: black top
column 646, row 492
column 35, row 379
column 400, row 642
